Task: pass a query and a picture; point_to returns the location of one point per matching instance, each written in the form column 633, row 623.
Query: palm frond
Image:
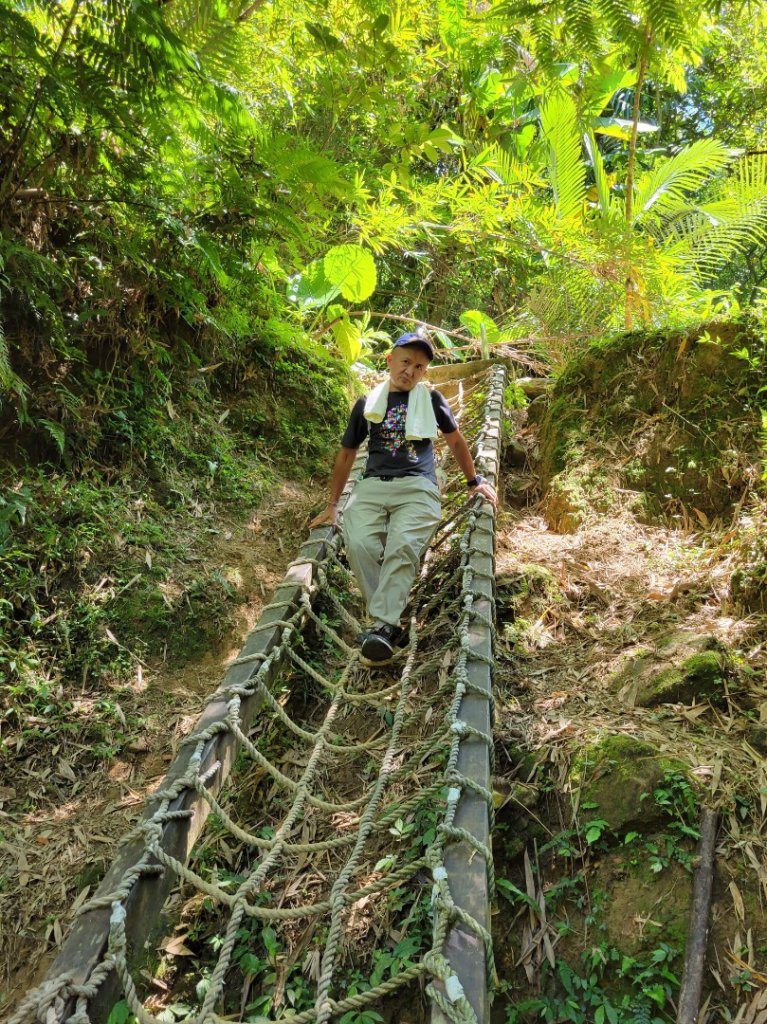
column 673, row 180
column 600, row 175
column 732, row 220
column 567, row 172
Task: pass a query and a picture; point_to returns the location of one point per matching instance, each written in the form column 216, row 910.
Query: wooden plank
column 467, row 870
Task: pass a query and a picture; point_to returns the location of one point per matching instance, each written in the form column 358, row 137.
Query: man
column 394, row 509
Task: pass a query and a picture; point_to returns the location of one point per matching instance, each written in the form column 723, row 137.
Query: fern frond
column 665, row 18
column 494, row 162
column 580, row 24
column 617, row 16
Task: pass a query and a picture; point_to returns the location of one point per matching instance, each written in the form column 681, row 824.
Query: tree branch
column 697, row 935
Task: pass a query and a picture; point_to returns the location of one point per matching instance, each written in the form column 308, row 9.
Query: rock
column 564, row 508
column 644, row 907
column 681, row 669
column 620, row 774
column 533, row 387
column 514, row 454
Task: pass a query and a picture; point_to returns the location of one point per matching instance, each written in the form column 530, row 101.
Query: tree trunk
column 641, row 72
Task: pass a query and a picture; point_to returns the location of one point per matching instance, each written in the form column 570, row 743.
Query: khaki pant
column 387, row 526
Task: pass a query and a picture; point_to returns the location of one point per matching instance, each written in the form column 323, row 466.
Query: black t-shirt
column 389, row 452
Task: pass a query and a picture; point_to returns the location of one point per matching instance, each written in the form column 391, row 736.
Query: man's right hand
column 327, row 518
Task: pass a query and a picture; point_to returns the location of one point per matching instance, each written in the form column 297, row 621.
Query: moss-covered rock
column 565, row 505
column 521, row 591
column 682, row 669
column 619, row 775
column 690, row 404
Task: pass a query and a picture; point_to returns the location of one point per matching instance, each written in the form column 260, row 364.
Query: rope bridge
column 359, row 801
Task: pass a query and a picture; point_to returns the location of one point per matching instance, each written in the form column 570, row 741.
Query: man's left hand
column 487, row 490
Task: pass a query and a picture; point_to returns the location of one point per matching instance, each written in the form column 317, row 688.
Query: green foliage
column 120, row 1014
column 590, row 996
column 313, row 287
column 221, row 150
column 98, row 564
column 567, row 173
column 352, row 270
column 168, row 172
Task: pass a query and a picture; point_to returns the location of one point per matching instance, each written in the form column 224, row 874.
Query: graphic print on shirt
column 393, row 432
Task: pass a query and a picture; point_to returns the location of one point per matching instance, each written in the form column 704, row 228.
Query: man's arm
column 342, row 467
column 456, row 442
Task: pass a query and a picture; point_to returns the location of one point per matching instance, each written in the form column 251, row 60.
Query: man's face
column 407, row 366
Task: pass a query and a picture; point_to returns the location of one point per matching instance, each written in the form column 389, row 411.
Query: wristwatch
column 476, row 481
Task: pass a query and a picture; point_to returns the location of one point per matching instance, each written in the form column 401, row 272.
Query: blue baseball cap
column 416, row 338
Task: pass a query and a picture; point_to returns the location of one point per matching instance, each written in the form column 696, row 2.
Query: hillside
column 215, row 218
column 632, row 639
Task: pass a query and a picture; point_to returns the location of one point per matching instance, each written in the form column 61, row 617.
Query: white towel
column 420, row 421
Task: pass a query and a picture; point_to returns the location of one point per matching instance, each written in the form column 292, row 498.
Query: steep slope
column 632, row 680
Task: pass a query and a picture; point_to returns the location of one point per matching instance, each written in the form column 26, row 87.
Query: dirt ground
column 573, row 609
column 61, row 846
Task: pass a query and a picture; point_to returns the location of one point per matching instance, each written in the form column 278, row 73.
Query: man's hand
column 329, row 517
column 487, row 490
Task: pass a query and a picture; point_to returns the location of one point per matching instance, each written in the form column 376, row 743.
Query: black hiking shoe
column 378, row 646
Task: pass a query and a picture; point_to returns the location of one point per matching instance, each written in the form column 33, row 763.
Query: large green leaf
column 348, row 339
column 620, row 127
column 599, row 89
column 488, row 89
column 481, row 325
column 312, row 287
column 352, row 270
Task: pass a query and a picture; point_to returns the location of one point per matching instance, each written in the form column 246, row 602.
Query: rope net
column 319, row 890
